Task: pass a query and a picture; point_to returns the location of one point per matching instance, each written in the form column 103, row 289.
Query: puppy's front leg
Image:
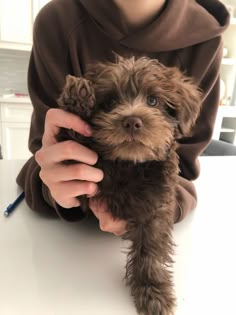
column 147, row 271
column 78, row 97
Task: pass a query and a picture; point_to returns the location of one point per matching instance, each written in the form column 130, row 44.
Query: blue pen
column 13, row 205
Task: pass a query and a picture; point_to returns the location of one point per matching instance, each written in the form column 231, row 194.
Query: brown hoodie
column 69, row 34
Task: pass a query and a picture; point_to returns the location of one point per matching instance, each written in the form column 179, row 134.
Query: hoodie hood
column 181, row 24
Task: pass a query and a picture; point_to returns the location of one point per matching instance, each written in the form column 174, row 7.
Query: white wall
column 13, row 70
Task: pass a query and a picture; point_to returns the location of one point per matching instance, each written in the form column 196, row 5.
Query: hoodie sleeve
column 48, row 66
column 204, row 66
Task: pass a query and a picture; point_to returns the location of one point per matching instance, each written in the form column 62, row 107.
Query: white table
column 51, row 267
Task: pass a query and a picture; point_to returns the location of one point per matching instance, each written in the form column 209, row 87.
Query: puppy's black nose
column 132, row 123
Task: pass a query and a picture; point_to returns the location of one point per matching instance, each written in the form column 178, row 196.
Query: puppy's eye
column 152, row 100
column 112, row 102
column 109, row 104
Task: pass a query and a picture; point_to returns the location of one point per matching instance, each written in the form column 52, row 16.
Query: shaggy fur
column 137, row 108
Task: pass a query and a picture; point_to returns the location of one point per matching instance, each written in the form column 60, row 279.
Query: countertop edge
column 15, row 100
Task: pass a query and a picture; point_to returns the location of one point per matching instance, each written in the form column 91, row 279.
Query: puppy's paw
column 150, row 300
column 78, row 96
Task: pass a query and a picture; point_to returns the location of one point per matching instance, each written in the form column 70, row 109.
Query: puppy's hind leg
column 147, row 271
column 78, row 96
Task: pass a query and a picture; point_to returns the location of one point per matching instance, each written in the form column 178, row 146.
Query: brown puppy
column 137, row 108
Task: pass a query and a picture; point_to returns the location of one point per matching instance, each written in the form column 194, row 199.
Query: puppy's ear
column 186, row 102
column 95, row 71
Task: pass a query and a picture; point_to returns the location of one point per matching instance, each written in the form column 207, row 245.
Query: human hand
column 64, row 181
column 106, row 221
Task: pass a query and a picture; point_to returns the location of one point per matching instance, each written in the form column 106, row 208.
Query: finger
column 97, row 207
column 108, row 224
column 106, row 221
column 78, row 171
column 66, row 150
column 58, row 118
column 120, row 232
column 65, row 192
column 69, row 202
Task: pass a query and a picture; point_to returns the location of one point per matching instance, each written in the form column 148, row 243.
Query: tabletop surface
column 52, row 267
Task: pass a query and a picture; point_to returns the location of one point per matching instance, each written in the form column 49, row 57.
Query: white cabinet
column 225, row 126
column 16, row 22
column 228, row 67
column 15, row 139
column 15, row 125
column 37, row 6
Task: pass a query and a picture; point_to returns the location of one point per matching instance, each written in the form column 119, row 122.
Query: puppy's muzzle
column 132, row 124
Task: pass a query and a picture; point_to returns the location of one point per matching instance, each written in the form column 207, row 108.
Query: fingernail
column 88, row 130
column 94, row 193
column 91, row 195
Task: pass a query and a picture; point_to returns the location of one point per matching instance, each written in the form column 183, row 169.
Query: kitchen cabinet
column 228, row 66
column 16, row 22
column 15, row 124
column 225, row 126
column 37, row 6
column 15, row 139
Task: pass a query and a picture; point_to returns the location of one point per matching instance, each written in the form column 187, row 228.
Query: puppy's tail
column 148, row 268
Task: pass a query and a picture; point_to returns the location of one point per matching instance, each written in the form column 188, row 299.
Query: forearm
column 29, row 180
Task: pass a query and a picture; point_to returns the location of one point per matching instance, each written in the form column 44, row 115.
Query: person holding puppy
column 71, row 34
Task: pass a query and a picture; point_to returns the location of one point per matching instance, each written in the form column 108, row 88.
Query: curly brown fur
column 141, row 108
